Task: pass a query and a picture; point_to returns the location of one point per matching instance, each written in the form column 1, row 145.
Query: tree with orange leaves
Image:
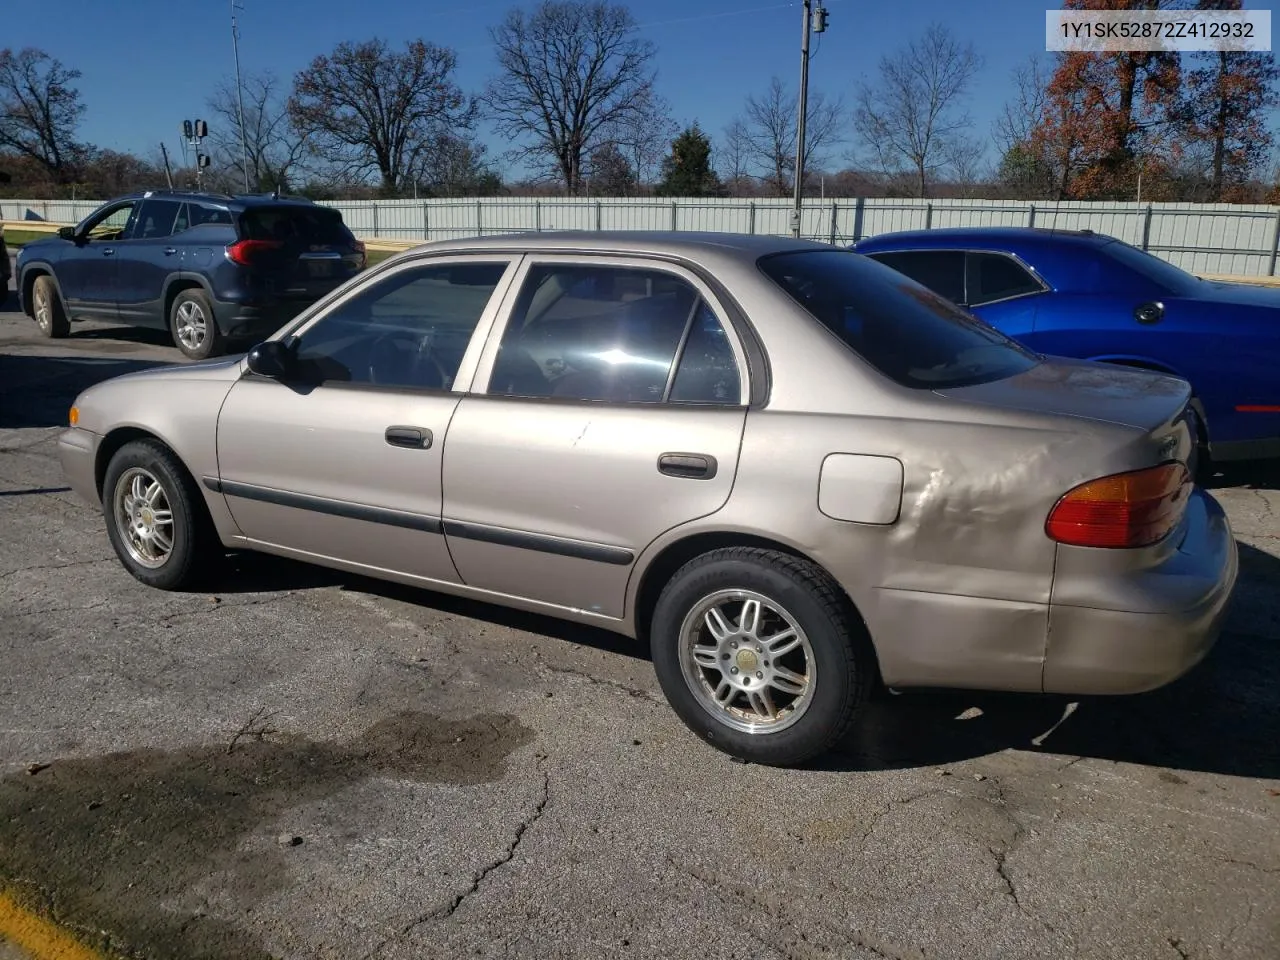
column 1224, row 101
column 1107, row 113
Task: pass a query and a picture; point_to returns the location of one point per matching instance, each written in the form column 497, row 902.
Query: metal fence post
column 1031, row 215
column 479, row 218
column 859, row 211
column 675, row 214
column 1275, row 247
column 375, row 219
column 835, row 212
column 928, row 215
column 599, row 216
column 1146, row 228
column 426, row 221
column 537, row 215
column 751, row 217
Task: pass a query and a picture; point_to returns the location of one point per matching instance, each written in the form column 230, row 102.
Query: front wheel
column 193, row 326
column 47, row 309
column 760, row 653
column 156, row 520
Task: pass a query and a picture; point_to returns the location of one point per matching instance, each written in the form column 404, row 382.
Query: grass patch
column 15, row 238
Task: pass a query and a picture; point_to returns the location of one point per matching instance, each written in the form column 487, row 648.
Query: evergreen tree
column 686, row 170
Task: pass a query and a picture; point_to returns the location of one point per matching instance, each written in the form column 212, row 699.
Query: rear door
column 608, row 409
column 298, row 251
column 147, row 259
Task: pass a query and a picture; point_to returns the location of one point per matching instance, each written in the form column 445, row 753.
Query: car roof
column 677, row 242
column 1000, row 237
column 240, row 201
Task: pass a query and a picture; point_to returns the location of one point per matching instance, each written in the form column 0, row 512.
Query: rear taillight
column 243, row 252
column 359, row 248
column 1123, row 510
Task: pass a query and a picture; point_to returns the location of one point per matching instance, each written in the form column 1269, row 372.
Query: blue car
column 213, row 270
column 1076, row 293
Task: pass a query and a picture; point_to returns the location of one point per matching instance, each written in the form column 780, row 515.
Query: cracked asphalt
column 305, row 764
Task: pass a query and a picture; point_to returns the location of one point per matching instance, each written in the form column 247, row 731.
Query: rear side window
column 294, row 226
column 156, row 219
column 939, row 270
column 908, row 332
column 993, row 276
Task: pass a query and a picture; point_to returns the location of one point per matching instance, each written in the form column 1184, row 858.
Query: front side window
column 409, row 329
column 110, row 225
column 994, row 276
column 612, row 334
column 909, row 333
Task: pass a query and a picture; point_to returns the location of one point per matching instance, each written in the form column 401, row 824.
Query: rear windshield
column 903, row 329
column 294, row 225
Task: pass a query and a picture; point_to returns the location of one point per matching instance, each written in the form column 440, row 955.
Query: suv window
column 294, row 225
column 408, row 330
column 994, row 276
column 908, row 332
column 111, row 225
column 940, row 270
column 611, row 334
column 156, row 219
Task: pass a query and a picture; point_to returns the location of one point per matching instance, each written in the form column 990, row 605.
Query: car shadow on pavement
column 125, row 334
column 1247, row 474
column 36, row 391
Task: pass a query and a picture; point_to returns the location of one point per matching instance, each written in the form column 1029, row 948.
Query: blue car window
column 994, row 276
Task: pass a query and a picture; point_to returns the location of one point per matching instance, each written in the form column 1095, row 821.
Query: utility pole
column 168, row 174
column 816, row 24
column 235, row 49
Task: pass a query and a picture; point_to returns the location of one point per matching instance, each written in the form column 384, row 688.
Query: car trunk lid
column 303, row 250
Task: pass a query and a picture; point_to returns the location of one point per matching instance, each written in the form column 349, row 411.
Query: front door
column 341, row 459
column 88, row 272
column 610, row 410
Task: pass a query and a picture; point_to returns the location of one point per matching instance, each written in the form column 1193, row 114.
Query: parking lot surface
column 307, row 764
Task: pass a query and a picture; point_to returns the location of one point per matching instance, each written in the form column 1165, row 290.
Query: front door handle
column 170, row 251
column 414, row 438
column 108, row 251
column 688, row 466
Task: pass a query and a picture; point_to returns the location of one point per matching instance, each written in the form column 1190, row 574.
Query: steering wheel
column 403, row 359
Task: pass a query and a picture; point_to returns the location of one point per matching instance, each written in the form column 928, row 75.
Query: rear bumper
column 77, row 452
column 242, row 321
column 1174, row 617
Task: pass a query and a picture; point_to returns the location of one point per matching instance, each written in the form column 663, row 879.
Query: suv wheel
column 759, row 653
column 192, row 324
column 47, row 309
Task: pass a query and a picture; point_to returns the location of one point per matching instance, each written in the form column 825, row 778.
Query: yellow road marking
column 40, row 938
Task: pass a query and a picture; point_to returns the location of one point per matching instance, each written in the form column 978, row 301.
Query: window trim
column 966, row 251
column 362, row 283
column 484, row 372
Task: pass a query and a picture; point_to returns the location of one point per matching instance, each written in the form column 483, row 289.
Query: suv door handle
column 415, row 438
column 688, row 466
column 108, row 251
column 170, row 251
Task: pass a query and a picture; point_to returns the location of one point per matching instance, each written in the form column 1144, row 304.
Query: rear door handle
column 108, row 251
column 688, row 466
column 415, row 438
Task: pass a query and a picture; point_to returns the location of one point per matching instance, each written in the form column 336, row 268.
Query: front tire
column 156, row 519
column 760, row 653
column 193, row 326
column 47, row 309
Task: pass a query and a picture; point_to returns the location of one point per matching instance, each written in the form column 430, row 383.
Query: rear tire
column 760, row 653
column 193, row 326
column 47, row 309
column 157, row 521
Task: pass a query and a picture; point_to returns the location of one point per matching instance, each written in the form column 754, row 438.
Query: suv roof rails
column 274, row 195
column 181, row 192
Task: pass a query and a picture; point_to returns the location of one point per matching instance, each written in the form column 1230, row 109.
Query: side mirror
column 67, row 233
column 271, row 358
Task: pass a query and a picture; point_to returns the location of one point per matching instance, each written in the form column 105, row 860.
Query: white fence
column 1206, row 238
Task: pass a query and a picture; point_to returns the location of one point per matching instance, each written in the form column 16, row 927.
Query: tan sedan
column 793, row 472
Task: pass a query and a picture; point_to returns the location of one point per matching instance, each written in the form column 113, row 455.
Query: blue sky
column 147, row 64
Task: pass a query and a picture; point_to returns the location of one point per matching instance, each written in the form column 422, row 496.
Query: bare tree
column 1025, row 111
column 40, row 109
column 732, row 159
column 768, row 128
column 643, row 136
column 965, row 159
column 911, row 116
column 367, row 109
column 571, row 71
column 274, row 149
column 454, row 166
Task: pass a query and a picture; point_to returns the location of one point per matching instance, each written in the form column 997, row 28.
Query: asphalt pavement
column 307, row 764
